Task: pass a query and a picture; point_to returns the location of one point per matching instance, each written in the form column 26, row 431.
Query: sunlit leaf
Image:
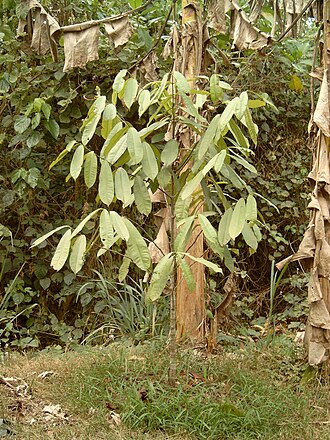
column 170, row 152
column 90, row 169
column 123, row 187
column 106, row 185
column 223, row 229
column 93, row 117
column 45, row 236
column 141, row 196
column 137, row 248
column 120, row 225
column 149, row 161
column 62, row 251
column 77, row 162
column 130, row 92
column 83, row 222
column 187, row 273
column 76, row 259
column 134, row 146
column 237, row 219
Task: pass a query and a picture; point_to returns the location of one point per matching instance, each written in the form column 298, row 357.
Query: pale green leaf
column 149, row 161
column 137, row 248
column 62, row 251
column 164, row 177
column 152, row 128
column 90, row 169
column 238, row 219
column 208, row 138
column 206, row 263
column 130, row 91
column 223, row 230
column 251, row 126
column 76, row 260
column 124, row 268
column 249, row 237
column 216, row 162
column 119, row 148
column 227, row 114
column 93, row 117
column 123, row 187
column 182, row 208
column 192, row 185
column 170, row 152
column 244, row 163
column 241, row 140
column 83, row 222
column 257, row 232
column 144, row 101
column 120, row 225
column 160, row 277
column 241, row 105
column 119, row 81
column 210, row 234
column 134, row 146
column 109, row 114
column 228, row 172
column 115, row 134
column 251, row 208
column 187, row 274
column 181, row 82
column 77, row 162
column 107, row 235
column 106, row 185
column 216, row 91
column 62, row 154
column 141, row 196
column 45, row 236
column 184, row 234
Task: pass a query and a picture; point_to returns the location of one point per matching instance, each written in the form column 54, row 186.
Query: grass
column 254, row 392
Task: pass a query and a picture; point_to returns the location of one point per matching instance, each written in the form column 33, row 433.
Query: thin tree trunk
column 190, row 306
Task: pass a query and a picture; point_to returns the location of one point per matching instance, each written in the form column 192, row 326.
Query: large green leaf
column 206, row 263
column 244, row 163
column 130, row 91
column 120, row 225
column 109, row 114
column 93, row 117
column 249, row 237
column 137, row 248
column 106, row 185
column 119, row 148
column 76, row 260
column 160, row 277
column 251, row 126
column 184, row 234
column 208, row 137
column 124, row 268
column 149, row 161
column 227, row 114
column 223, row 230
column 115, row 134
column 181, row 82
column 210, row 234
column 237, row 219
column 134, row 146
column 45, row 236
column 77, row 162
column 192, row 185
column 144, row 101
column 62, row 251
column 182, row 208
column 241, row 105
column 187, row 273
column 241, row 140
column 83, row 222
column 119, row 81
column 107, row 234
column 251, row 208
column 170, row 152
column 90, row 169
column 123, row 187
column 141, row 196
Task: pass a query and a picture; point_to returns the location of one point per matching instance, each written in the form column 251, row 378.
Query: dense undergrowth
column 41, row 109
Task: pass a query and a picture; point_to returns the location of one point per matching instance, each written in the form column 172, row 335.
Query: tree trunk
column 190, row 306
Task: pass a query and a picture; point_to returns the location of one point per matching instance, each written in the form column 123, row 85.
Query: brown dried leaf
column 80, row 47
column 119, row 31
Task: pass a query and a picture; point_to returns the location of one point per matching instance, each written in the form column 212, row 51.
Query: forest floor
column 120, row 392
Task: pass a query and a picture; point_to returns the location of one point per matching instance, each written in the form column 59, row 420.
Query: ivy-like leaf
column 53, row 128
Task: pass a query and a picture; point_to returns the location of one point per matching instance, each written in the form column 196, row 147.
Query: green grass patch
column 256, row 392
